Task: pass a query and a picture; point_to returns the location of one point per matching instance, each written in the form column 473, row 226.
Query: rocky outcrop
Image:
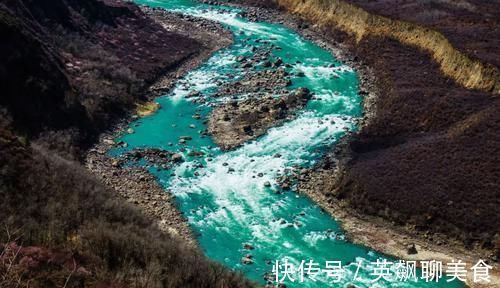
column 234, row 123
column 264, row 81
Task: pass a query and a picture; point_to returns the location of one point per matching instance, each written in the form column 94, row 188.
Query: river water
column 227, row 208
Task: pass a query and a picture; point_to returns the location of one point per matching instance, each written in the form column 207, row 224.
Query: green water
column 227, row 209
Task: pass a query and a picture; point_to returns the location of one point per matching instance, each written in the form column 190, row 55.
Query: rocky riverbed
column 139, row 188
column 376, row 231
column 211, row 34
column 235, row 123
column 135, row 184
column 390, row 240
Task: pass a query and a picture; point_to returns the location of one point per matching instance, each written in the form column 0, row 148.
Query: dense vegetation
column 68, row 69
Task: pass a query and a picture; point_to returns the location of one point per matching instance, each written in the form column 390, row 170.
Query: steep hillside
column 62, row 227
column 73, row 64
column 471, row 26
column 427, row 156
column 68, row 70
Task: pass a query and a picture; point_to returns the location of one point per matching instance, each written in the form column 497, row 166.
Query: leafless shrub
column 62, row 210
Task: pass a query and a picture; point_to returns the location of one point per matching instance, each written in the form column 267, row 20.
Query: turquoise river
column 227, row 208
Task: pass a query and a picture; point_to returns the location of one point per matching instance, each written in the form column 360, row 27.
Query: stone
column 246, row 65
column 248, row 129
column 193, row 94
column 267, row 184
column 411, row 249
column 303, row 93
column 248, row 246
column 246, row 261
column 176, row 158
column 108, row 142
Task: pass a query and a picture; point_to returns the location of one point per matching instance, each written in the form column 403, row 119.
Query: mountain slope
column 68, row 70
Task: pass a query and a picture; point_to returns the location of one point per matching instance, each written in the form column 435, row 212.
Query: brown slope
column 80, row 63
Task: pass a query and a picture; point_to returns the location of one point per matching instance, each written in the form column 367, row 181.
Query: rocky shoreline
column 137, row 185
column 212, row 35
column 235, row 123
column 372, row 231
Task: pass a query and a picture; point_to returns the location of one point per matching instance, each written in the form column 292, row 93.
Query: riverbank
column 396, row 66
column 235, row 123
column 70, row 70
column 136, row 185
column 211, row 34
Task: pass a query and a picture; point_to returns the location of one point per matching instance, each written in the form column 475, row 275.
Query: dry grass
column 453, row 63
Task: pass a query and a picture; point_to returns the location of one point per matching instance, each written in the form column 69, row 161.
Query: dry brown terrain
column 69, row 70
column 427, row 157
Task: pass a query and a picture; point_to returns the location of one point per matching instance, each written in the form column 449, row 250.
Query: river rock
column 248, row 246
column 232, row 125
column 411, row 249
column 108, row 142
column 176, row 158
column 246, row 260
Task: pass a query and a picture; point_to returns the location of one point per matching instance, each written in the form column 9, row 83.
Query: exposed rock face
column 234, row 123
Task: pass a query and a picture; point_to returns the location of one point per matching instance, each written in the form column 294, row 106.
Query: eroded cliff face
column 465, row 71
